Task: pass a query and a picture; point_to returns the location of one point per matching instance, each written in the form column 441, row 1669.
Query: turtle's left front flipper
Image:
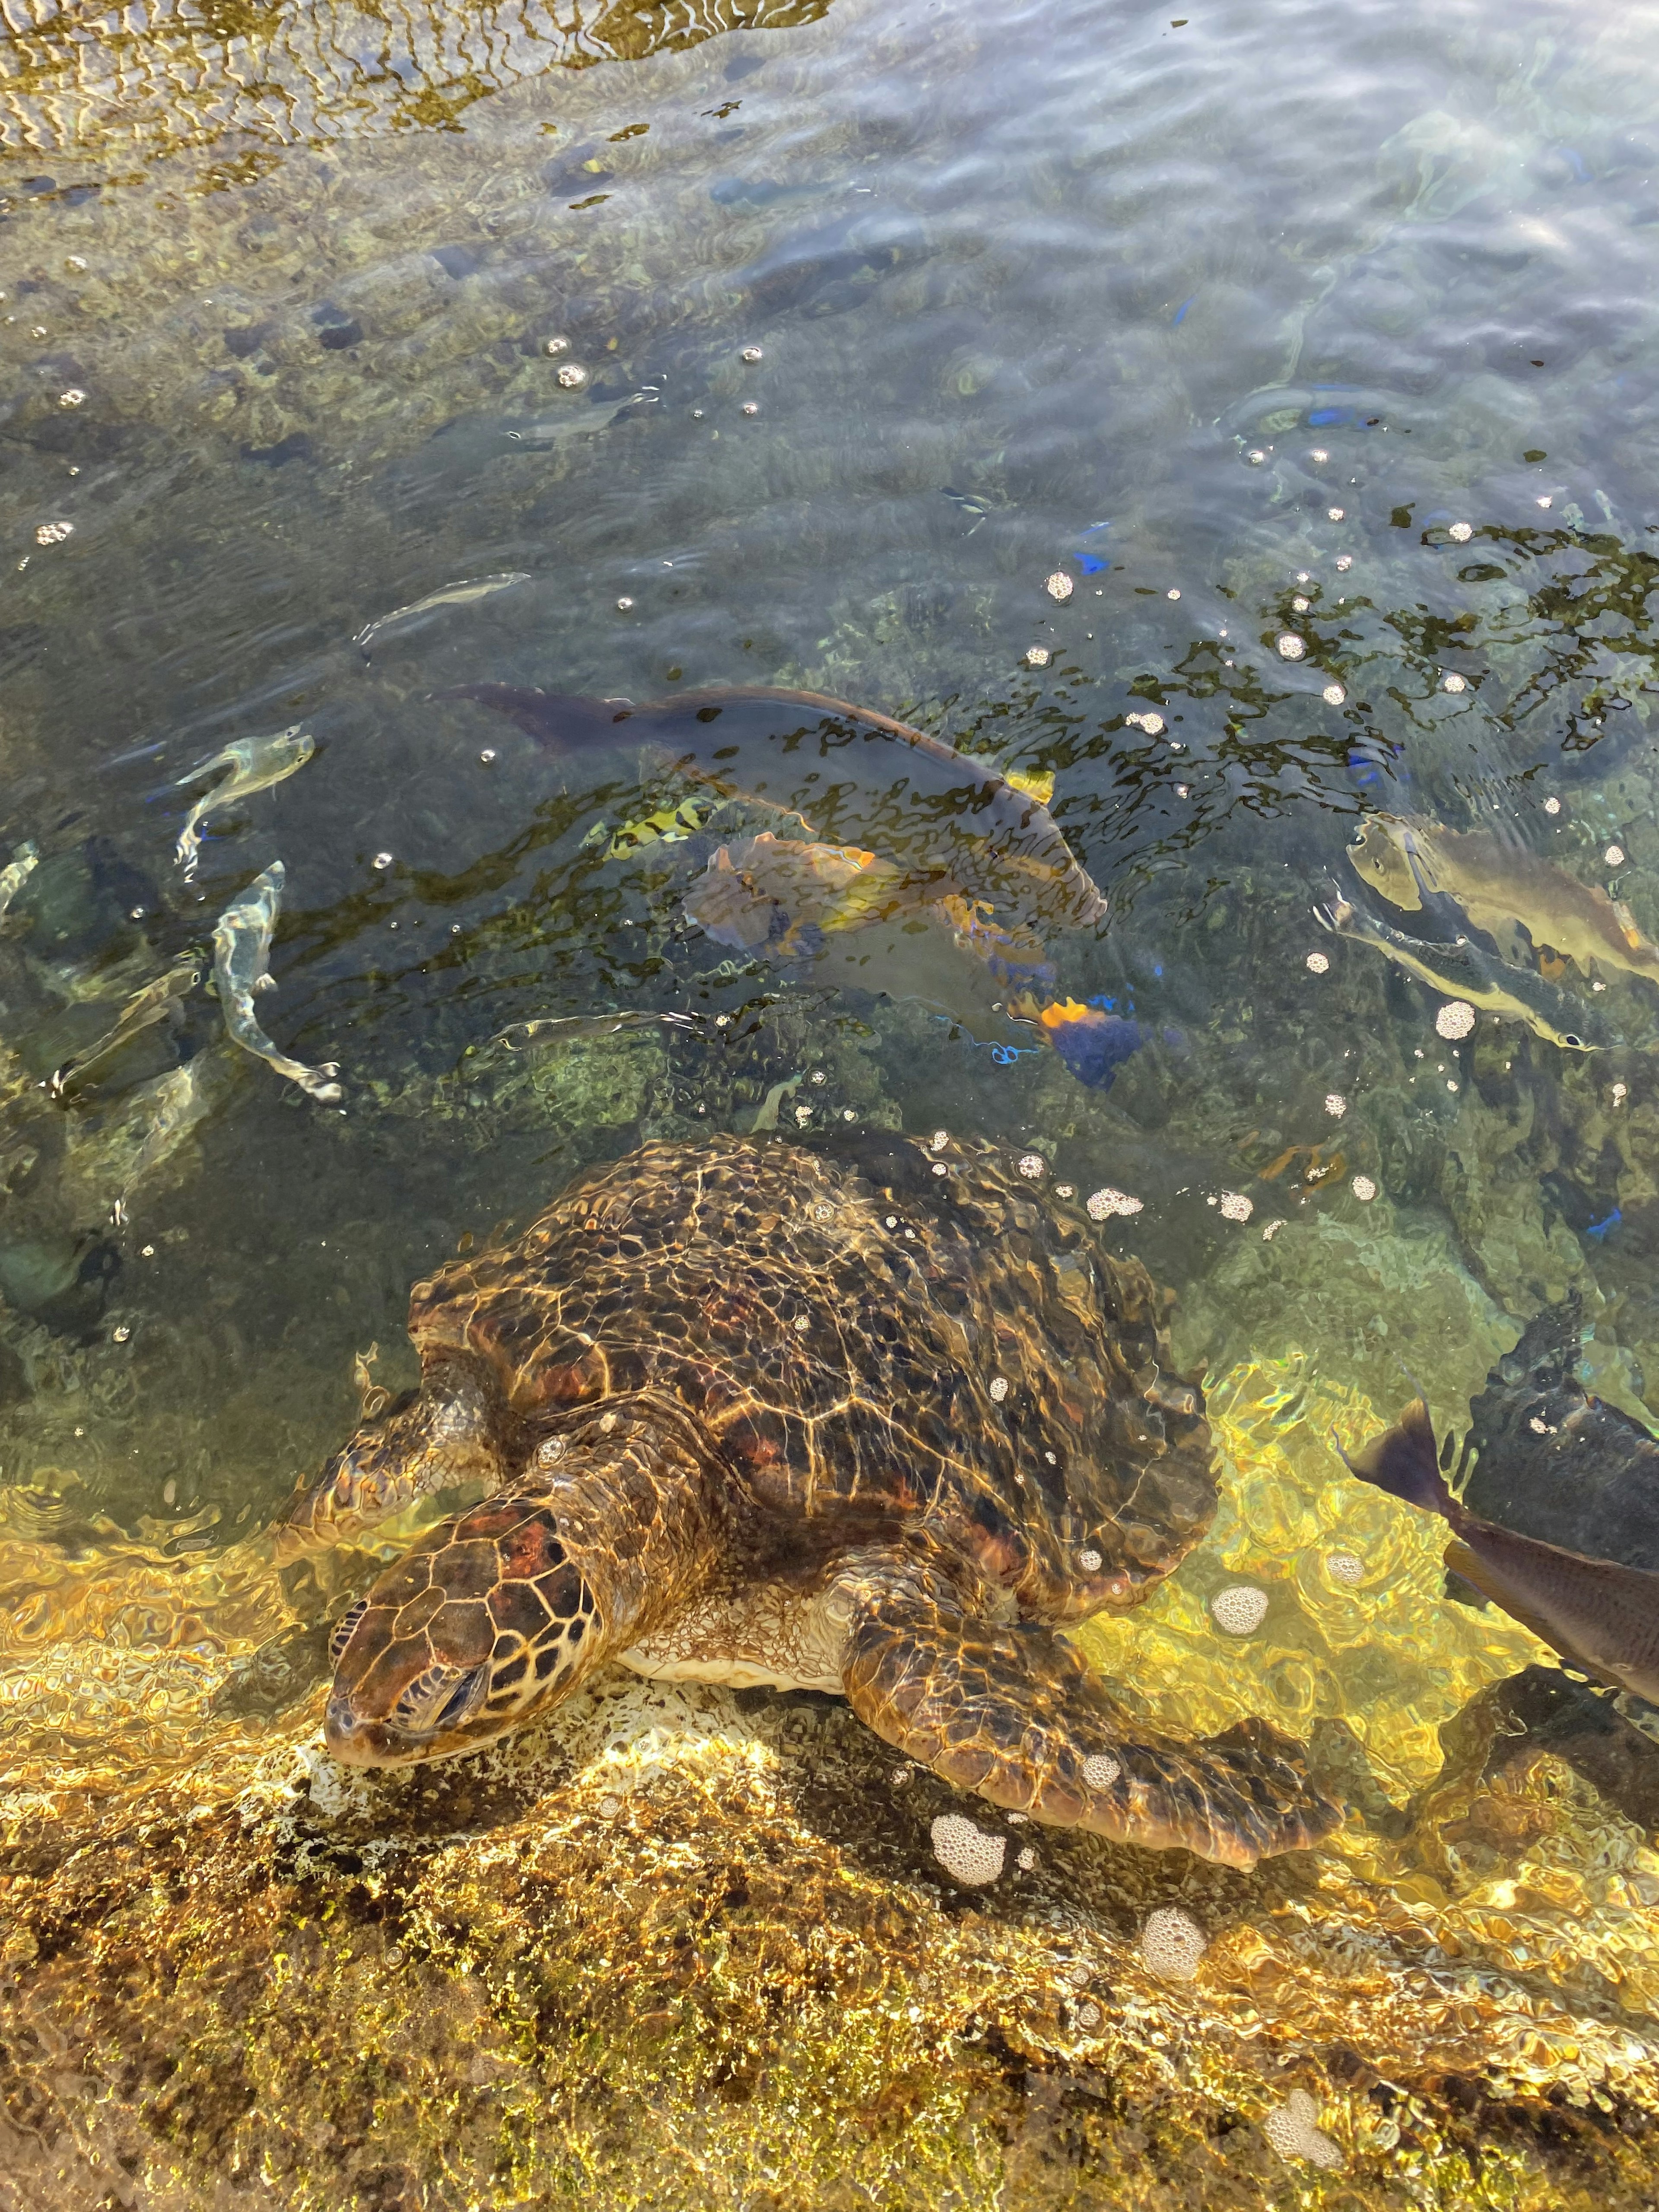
column 1016, row 1715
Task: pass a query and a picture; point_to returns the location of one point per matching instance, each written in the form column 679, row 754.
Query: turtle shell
column 883, row 1339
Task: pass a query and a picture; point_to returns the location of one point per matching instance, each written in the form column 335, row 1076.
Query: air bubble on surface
column 1027, row 1860
column 1455, row 683
column 1104, row 1203
column 1235, row 1206
column 1090, row 1560
column 573, row 376
column 383, row 861
column 1037, row 656
column 751, row 407
column 1289, row 646
column 1461, row 533
column 1256, row 457
column 999, row 1387
column 1172, row 1944
column 939, row 1168
column 1345, row 1567
column 1088, row 2016
column 555, row 347
column 73, row 397
column 1363, row 1188
column 1240, row 1609
column 1059, row 586
column 752, row 354
column 1317, row 963
column 1455, row 1018
column 53, row 533
column 1065, row 1190
column 1333, row 513
column 1614, row 856
column 1333, row 695
column 624, row 603
column 967, row 1851
column 1345, row 561
column 1032, row 1166
column 1335, row 1104
column 1291, row 2129
column 1101, row 1769
column 1299, row 605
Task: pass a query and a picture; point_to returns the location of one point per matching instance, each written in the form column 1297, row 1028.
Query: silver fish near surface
column 141, row 1011
column 17, row 872
column 255, row 764
column 241, row 954
column 1461, row 970
column 560, row 1028
column 463, row 594
column 1601, row 1616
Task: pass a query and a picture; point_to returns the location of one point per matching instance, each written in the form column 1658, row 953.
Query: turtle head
column 453, row 1429
column 484, row 1621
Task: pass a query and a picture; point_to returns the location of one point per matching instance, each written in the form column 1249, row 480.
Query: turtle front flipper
column 1015, row 1714
column 456, row 1428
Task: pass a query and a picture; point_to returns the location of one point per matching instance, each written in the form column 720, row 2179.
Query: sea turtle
column 880, row 1419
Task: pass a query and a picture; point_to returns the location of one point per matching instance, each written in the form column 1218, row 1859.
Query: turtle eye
column 1576, row 1044
column 441, row 1697
column 343, row 1627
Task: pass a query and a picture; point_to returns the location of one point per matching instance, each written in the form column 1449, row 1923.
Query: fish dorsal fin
column 1036, row 783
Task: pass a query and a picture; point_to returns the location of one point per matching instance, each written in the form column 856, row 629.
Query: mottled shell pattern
column 890, row 1334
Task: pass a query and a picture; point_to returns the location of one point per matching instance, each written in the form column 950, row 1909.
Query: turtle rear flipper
column 1016, row 1715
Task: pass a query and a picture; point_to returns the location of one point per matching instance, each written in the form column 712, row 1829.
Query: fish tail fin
column 562, row 721
column 1091, row 1044
column 1404, row 1461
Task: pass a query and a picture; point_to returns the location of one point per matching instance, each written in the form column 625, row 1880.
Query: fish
column 17, row 870
column 1462, row 970
column 978, row 504
column 563, row 1029
column 255, row 764
column 853, row 777
column 463, row 594
column 242, row 954
column 1601, row 1616
column 789, row 896
column 566, row 427
column 1499, row 885
column 143, row 1010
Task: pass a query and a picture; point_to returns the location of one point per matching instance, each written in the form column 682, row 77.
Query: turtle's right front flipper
column 1016, row 1715
column 454, row 1429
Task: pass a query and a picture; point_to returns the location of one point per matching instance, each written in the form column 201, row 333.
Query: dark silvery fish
column 1600, row 1615
column 566, row 1028
column 144, row 1008
column 856, row 778
column 1462, row 969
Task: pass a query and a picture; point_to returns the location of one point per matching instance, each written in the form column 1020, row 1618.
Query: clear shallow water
column 1191, row 313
